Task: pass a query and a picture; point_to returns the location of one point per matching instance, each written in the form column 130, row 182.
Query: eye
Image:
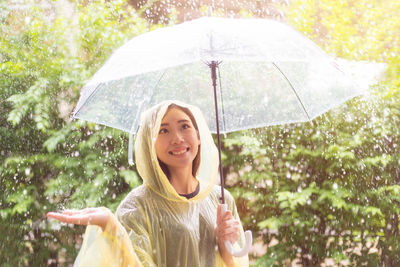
column 185, row 126
column 163, row 131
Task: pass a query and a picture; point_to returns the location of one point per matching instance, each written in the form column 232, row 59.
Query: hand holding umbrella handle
column 248, row 236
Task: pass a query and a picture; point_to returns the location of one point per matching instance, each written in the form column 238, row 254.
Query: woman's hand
column 227, row 229
column 88, row 216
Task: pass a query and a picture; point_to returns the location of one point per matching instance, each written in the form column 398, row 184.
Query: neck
column 182, row 180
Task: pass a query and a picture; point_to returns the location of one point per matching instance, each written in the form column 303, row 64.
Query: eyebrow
column 180, row 121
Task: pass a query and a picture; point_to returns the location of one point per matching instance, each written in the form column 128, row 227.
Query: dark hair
column 196, row 160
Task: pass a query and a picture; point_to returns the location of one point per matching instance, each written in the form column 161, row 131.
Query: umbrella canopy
column 269, row 74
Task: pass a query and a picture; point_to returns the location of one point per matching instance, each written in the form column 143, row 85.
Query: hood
column 146, row 158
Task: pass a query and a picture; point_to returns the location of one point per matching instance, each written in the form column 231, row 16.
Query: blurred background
column 322, row 193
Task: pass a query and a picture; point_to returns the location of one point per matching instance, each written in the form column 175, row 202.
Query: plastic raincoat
column 155, row 225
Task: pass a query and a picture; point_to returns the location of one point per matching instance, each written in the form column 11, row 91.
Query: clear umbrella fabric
column 269, row 74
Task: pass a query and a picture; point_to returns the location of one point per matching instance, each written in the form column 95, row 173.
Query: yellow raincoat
column 155, row 225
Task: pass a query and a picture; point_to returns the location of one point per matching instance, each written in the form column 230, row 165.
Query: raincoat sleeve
column 111, row 247
column 238, row 261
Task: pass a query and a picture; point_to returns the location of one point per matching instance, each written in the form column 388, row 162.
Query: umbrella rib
column 130, row 148
column 294, row 91
column 87, row 100
column 155, row 86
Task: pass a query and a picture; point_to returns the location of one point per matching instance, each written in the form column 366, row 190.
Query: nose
column 176, row 138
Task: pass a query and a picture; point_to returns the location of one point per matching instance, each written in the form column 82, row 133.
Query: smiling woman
column 178, row 144
column 174, row 218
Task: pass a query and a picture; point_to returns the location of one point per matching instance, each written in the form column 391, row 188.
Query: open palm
column 93, row 216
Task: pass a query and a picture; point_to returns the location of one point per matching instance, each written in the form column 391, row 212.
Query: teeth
column 179, row 152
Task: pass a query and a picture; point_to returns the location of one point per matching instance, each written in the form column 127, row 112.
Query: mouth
column 177, row 152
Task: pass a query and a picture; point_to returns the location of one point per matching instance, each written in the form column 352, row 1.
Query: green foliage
column 47, row 162
column 324, row 190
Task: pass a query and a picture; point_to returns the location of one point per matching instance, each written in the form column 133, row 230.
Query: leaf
column 131, row 178
column 57, row 138
column 272, row 223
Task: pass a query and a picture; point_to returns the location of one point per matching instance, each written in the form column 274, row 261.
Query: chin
column 179, row 163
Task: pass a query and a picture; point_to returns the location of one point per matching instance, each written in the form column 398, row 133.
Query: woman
column 174, row 218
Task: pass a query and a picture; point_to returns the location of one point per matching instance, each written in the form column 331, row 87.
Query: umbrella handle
column 248, row 236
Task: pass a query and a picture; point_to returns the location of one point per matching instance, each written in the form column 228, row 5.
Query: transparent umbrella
column 268, row 73
column 255, row 72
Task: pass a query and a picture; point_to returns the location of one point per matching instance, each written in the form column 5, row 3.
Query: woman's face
column 177, row 142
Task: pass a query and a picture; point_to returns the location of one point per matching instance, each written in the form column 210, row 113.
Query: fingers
column 228, row 228
column 70, row 212
column 229, row 223
column 70, row 217
column 58, row 216
column 53, row 215
column 227, row 216
column 83, row 211
column 223, row 217
column 230, row 233
column 92, row 216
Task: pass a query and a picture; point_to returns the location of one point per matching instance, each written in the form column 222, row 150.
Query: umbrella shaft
column 213, row 65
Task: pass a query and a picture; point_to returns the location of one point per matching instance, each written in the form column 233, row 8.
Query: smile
column 179, row 152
